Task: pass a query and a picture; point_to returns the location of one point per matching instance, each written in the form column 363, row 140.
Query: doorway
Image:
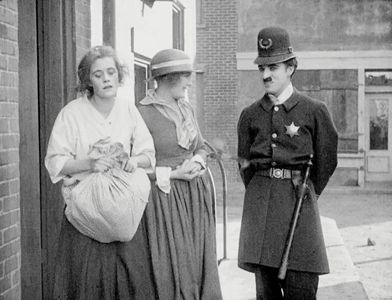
column 47, row 56
column 378, row 134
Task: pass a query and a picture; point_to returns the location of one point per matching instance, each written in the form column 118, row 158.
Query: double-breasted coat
column 284, row 136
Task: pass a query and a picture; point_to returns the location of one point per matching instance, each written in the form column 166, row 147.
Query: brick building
column 10, row 253
column 345, row 59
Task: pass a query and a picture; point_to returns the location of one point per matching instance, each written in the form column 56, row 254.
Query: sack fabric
column 108, row 206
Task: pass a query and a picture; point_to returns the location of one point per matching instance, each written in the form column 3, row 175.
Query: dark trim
column 56, row 73
column 29, row 163
column 109, row 22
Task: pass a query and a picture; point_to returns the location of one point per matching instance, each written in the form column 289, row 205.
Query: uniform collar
column 285, row 94
column 288, row 104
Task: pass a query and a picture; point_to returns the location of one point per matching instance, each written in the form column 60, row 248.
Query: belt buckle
column 277, row 173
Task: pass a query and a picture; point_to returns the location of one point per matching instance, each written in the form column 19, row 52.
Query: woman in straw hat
column 180, row 220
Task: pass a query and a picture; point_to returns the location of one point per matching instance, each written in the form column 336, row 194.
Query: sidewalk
column 342, row 283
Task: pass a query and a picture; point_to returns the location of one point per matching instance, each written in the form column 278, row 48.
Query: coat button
column 273, row 163
column 273, row 145
column 274, row 135
column 276, row 108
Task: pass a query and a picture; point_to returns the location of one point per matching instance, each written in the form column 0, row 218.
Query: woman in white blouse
column 87, row 269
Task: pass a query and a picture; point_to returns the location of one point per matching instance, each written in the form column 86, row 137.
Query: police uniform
column 276, row 142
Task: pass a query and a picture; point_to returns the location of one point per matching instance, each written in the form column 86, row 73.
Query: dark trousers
column 296, row 286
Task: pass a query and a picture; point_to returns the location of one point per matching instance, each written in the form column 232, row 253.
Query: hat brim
column 269, row 60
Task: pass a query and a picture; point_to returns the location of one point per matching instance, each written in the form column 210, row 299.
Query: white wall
column 96, row 22
column 124, row 22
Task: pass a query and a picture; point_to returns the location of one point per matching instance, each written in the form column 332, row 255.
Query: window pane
column 178, row 27
column 378, row 124
column 378, row 78
column 140, row 82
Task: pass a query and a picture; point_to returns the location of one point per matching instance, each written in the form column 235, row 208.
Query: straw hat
column 170, row 61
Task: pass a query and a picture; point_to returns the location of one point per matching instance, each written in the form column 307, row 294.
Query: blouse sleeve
column 142, row 142
column 61, row 146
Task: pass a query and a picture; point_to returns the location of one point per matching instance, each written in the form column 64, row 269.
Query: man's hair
column 292, row 62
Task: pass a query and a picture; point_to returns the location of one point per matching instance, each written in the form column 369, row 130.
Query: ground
column 365, row 223
column 364, row 219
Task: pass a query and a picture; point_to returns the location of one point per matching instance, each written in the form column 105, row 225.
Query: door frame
column 46, row 82
column 29, row 157
column 378, row 176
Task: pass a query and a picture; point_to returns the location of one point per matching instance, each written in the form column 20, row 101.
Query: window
column 378, row 77
column 142, row 71
column 378, row 124
column 178, row 26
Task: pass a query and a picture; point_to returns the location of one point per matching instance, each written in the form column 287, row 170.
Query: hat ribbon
column 171, row 63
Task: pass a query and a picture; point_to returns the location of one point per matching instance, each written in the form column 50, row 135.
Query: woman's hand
column 186, row 171
column 130, row 165
column 101, row 164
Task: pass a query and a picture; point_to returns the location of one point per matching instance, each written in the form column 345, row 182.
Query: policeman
column 276, row 137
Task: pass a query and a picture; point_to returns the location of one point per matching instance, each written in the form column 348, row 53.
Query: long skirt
column 87, row 269
column 181, row 233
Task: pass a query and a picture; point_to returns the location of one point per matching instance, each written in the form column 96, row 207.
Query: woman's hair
column 292, row 63
column 172, row 78
column 84, row 85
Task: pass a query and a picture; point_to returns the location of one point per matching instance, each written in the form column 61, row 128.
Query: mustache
column 268, row 79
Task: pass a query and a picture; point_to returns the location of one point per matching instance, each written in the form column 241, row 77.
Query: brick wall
column 216, row 40
column 10, row 248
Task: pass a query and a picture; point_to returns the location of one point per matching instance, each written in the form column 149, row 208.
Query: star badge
column 292, row 130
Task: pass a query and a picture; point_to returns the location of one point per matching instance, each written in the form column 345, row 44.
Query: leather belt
column 279, row 173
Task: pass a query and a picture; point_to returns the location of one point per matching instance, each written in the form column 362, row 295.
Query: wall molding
column 323, row 60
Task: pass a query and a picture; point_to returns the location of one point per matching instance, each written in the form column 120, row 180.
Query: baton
column 294, row 220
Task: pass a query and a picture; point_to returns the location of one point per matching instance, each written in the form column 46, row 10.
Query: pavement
column 344, row 281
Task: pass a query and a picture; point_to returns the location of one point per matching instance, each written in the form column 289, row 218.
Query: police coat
column 284, row 136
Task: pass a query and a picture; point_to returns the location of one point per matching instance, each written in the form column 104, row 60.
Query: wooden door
column 379, row 137
column 47, row 82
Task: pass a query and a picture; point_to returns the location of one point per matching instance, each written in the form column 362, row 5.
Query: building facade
column 345, row 59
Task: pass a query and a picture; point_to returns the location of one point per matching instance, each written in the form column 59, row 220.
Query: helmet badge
column 265, row 43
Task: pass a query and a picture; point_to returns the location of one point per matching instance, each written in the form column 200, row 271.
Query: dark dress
column 180, row 225
column 266, row 139
column 87, row 269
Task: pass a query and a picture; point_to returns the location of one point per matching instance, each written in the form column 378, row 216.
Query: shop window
column 378, row 124
column 378, row 78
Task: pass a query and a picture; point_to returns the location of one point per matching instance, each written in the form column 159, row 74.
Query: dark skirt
column 181, row 232
column 87, row 269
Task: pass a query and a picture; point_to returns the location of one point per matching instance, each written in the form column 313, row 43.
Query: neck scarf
column 183, row 118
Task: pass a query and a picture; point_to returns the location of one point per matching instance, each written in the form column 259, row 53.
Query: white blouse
column 79, row 125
